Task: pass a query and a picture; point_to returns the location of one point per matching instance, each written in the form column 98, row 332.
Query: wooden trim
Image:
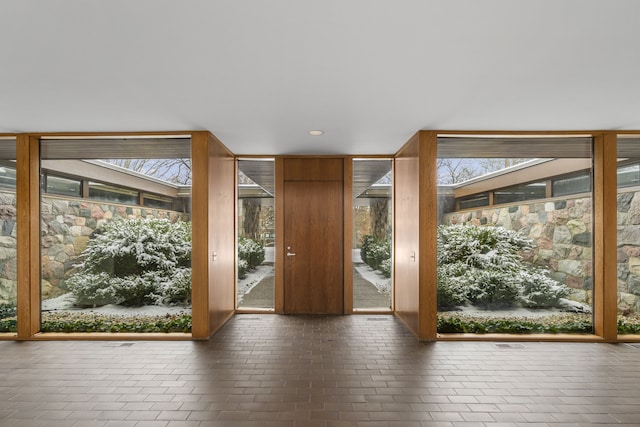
column 604, row 259
column 200, row 259
column 347, row 214
column 522, row 338
column 520, row 133
column 108, row 336
column 28, row 250
column 428, row 223
column 278, row 280
column 97, row 135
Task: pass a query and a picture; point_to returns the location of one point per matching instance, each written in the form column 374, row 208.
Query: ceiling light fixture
column 316, row 132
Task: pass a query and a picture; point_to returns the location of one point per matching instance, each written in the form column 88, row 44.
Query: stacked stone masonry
column 561, row 233
column 66, row 227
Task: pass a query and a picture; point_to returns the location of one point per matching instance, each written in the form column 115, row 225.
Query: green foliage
column 251, row 251
column 539, row 291
column 491, row 289
column 8, row 319
column 377, row 254
column 135, row 262
column 250, row 255
column 7, row 310
column 629, row 325
column 484, row 266
column 385, row 267
column 93, row 322
column 565, row 324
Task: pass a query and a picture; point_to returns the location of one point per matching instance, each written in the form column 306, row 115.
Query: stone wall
column 8, row 246
column 65, row 226
column 561, row 231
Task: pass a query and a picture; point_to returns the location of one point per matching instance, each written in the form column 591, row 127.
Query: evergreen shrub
column 135, row 262
column 251, row 254
column 484, row 266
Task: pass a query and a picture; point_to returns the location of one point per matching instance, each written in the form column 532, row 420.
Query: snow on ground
column 65, row 303
column 252, row 279
column 383, row 284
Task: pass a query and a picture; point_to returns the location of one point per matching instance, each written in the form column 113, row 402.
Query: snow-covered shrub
column 484, row 266
column 377, row 254
column 451, row 292
column 385, row 267
column 135, row 262
column 251, row 251
column 540, row 291
column 243, row 268
column 173, row 290
column 492, row 289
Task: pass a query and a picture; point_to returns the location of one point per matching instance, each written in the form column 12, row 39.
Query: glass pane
column 152, row 201
column 628, row 175
column 518, row 193
column 109, row 193
column 521, row 268
column 372, row 234
column 628, row 211
column 256, row 234
column 574, row 184
column 63, row 186
column 8, row 243
column 107, row 263
column 474, row 201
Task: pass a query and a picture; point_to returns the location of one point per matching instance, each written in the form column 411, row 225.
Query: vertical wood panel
column 605, row 236
column 348, row 235
column 213, row 240
column 427, row 263
column 28, row 233
column 222, row 233
column 407, row 229
column 200, row 328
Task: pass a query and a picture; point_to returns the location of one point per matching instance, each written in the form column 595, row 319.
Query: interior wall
column 213, row 222
column 407, row 230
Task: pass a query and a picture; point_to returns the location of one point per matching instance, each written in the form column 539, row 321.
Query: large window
column 8, row 242
column 628, row 250
column 107, row 262
column 372, row 234
column 525, row 264
column 256, row 234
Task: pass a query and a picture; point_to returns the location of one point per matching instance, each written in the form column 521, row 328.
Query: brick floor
column 269, row 370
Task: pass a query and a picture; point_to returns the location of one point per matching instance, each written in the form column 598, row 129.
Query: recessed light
column 316, row 132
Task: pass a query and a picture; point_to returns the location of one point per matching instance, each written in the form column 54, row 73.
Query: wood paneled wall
column 416, row 218
column 213, row 222
column 28, row 233
column 407, row 231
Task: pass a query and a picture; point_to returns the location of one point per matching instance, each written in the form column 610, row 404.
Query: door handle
column 289, row 253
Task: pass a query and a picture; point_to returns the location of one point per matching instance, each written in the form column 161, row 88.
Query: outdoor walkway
column 308, row 371
column 365, row 295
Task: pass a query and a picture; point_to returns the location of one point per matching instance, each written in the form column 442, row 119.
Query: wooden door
column 313, row 240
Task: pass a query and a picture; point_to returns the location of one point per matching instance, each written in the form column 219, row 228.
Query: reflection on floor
column 291, row 371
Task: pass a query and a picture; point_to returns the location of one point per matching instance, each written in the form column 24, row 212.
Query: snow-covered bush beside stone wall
column 135, row 262
column 66, row 226
column 484, row 266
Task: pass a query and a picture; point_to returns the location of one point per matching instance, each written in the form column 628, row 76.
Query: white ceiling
column 370, row 73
